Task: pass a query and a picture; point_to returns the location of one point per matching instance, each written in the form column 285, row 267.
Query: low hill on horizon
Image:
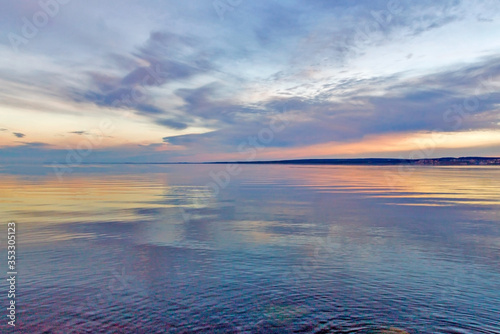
column 446, row 161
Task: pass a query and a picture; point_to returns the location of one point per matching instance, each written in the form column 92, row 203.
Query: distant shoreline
column 463, row 161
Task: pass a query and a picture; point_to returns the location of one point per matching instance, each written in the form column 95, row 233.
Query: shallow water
column 273, row 249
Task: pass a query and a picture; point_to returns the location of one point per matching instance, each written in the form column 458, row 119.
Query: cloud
column 337, row 71
column 172, row 124
column 18, row 134
column 425, row 103
column 36, row 145
column 170, row 57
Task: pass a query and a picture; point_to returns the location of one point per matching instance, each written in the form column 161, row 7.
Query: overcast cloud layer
column 240, row 80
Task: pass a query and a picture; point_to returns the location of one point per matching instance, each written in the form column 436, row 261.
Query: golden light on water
column 97, row 197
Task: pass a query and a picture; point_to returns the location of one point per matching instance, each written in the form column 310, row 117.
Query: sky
column 169, row 81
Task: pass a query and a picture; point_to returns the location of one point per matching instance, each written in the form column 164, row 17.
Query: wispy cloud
column 80, row 133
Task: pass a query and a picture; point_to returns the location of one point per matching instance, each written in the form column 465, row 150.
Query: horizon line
column 292, row 161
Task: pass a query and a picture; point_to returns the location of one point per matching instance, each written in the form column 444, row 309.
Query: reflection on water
column 320, row 249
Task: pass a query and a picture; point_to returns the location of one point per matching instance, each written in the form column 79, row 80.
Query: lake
column 254, row 248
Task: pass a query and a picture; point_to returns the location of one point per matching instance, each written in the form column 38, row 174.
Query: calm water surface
column 279, row 249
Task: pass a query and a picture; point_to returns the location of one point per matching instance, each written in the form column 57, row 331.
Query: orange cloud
column 418, row 145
